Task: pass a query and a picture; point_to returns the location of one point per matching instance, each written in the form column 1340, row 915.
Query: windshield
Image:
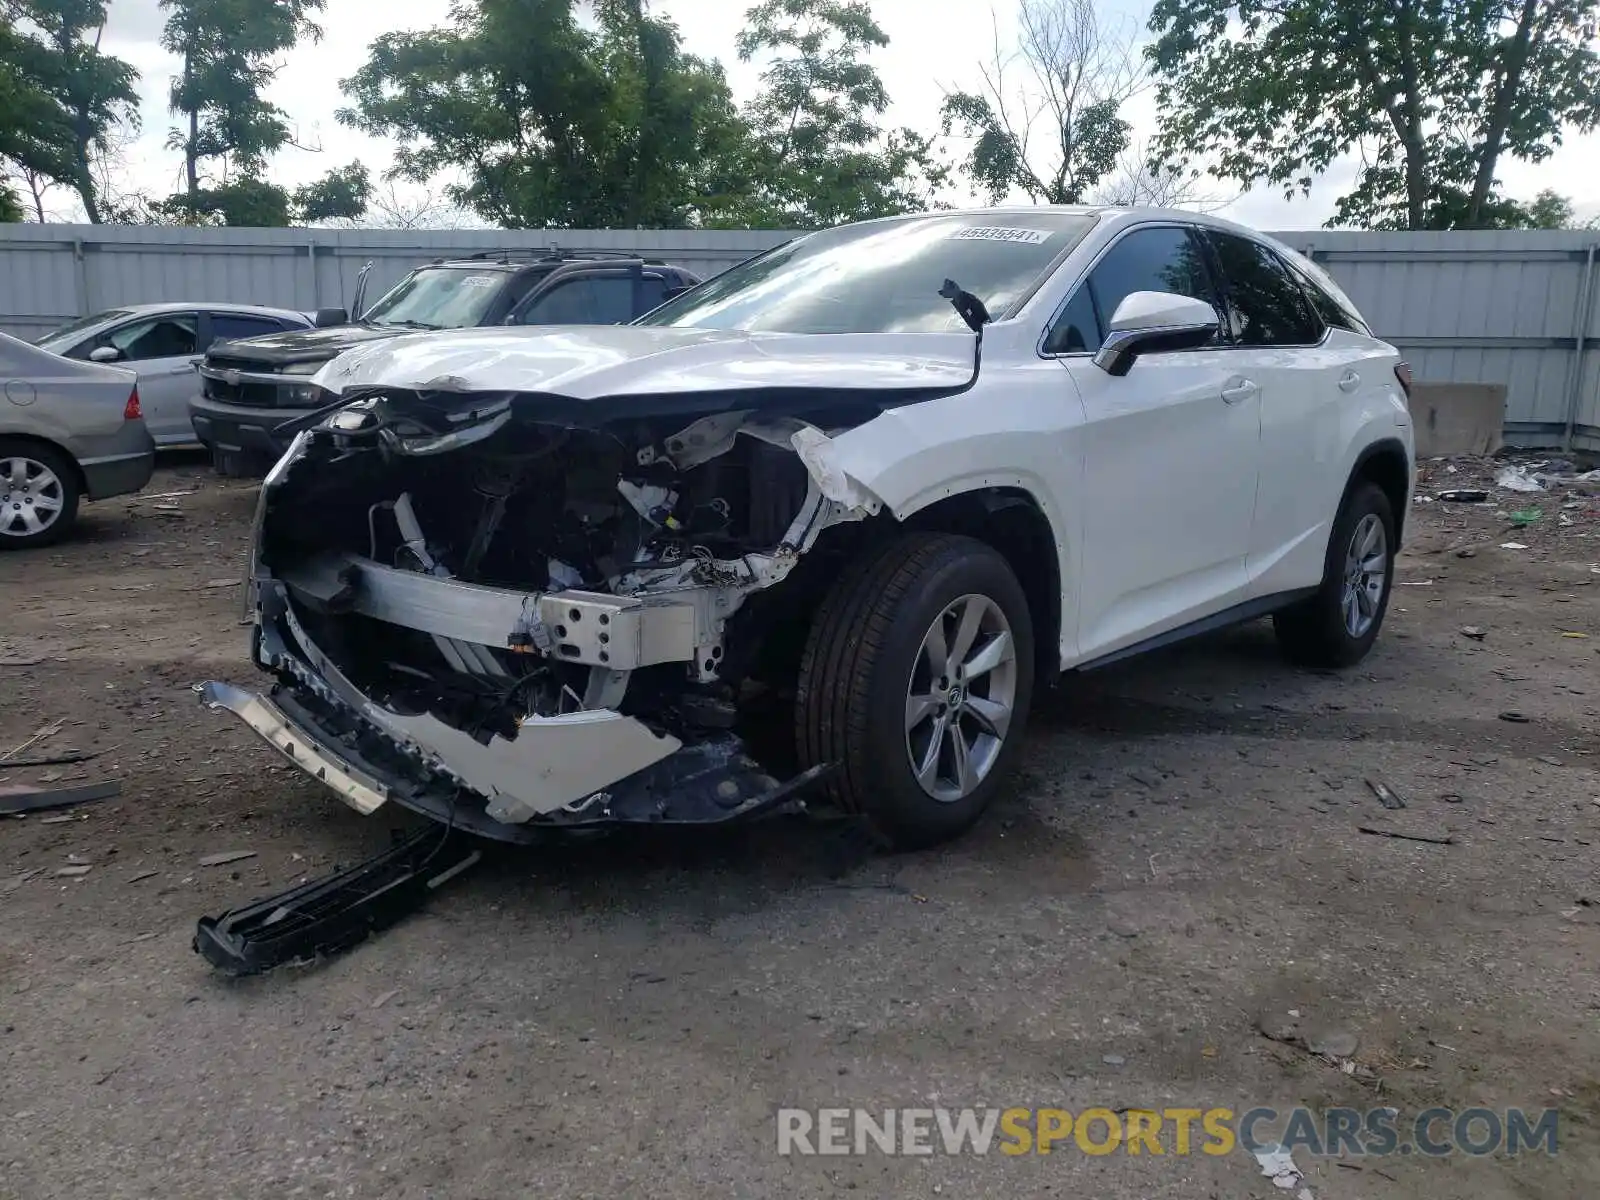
column 882, row 277
column 438, row 298
column 49, row 341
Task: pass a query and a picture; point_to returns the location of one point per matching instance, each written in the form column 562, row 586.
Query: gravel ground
column 1179, row 866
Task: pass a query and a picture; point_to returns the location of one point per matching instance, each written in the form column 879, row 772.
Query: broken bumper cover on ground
column 569, row 774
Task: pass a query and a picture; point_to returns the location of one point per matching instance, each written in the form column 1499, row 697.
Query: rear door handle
column 1349, row 381
column 1240, row 389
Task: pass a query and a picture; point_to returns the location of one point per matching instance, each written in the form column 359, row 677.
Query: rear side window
column 1266, row 305
column 652, row 295
column 591, row 300
column 226, row 327
column 1165, row 259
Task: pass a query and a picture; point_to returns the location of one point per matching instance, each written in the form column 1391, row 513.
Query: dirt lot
column 1180, row 866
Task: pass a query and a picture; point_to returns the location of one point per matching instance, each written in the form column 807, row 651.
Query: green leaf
column 1432, row 96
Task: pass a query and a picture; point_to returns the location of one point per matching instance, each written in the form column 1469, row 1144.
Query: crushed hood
column 587, row 362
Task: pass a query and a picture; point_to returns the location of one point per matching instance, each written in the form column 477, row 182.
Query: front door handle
column 1240, row 389
column 1349, row 381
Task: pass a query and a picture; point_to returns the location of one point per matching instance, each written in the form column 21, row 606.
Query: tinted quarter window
column 1166, row 259
column 1329, row 310
column 1264, row 297
column 1076, row 329
column 226, row 327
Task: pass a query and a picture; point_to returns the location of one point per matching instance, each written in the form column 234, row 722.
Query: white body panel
column 1170, row 467
column 1312, row 429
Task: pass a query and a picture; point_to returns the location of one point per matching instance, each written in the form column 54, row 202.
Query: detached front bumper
column 582, row 772
column 355, row 787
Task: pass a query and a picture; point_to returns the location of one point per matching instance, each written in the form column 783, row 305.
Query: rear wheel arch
column 34, row 439
column 1386, row 464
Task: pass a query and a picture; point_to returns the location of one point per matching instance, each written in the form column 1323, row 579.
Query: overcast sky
column 935, row 47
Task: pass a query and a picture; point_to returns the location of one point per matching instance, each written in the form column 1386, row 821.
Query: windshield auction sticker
column 999, row 233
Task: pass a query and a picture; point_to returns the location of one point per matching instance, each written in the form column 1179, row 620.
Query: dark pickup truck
column 252, row 386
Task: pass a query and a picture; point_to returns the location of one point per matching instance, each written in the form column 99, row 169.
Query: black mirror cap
column 1122, row 349
column 326, row 318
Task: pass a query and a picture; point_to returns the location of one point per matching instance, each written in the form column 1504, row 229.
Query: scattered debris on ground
column 331, row 914
column 15, row 799
column 1386, row 796
column 1431, row 839
column 226, row 857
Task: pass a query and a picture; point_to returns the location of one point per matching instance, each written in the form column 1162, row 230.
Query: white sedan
column 825, row 521
column 161, row 343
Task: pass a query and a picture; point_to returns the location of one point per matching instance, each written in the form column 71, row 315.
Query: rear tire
column 920, row 752
column 1338, row 625
column 39, row 494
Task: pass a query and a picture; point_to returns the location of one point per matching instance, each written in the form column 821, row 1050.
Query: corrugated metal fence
column 1518, row 307
column 50, row 274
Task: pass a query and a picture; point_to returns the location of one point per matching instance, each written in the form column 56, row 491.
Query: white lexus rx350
column 815, row 530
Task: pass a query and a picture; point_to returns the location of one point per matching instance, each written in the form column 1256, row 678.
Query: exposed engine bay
column 498, row 620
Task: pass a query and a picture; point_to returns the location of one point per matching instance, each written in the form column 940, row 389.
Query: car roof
column 1122, row 214
column 221, row 306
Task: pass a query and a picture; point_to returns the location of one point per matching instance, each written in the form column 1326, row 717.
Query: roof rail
column 546, row 254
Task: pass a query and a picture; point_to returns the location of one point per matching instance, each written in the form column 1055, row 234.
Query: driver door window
column 1163, row 259
column 159, row 337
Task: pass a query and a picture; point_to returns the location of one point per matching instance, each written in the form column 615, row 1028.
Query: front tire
column 1337, row 626
column 916, row 680
column 39, row 494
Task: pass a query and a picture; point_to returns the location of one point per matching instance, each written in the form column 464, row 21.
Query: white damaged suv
column 821, row 525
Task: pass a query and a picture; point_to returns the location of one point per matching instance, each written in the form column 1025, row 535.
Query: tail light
column 1402, row 372
column 131, row 410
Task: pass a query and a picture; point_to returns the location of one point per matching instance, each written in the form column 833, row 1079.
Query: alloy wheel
column 1366, row 570
column 960, row 698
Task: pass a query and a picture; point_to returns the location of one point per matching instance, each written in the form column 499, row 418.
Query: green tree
column 61, row 97
column 1048, row 120
column 10, row 206
column 1551, row 210
column 819, row 153
column 1432, row 94
column 341, row 194
column 230, row 53
column 550, row 123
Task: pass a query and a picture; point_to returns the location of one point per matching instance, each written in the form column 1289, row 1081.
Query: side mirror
column 105, row 354
column 1149, row 322
column 325, row 318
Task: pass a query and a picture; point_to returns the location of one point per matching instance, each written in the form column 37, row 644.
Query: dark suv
column 250, row 387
